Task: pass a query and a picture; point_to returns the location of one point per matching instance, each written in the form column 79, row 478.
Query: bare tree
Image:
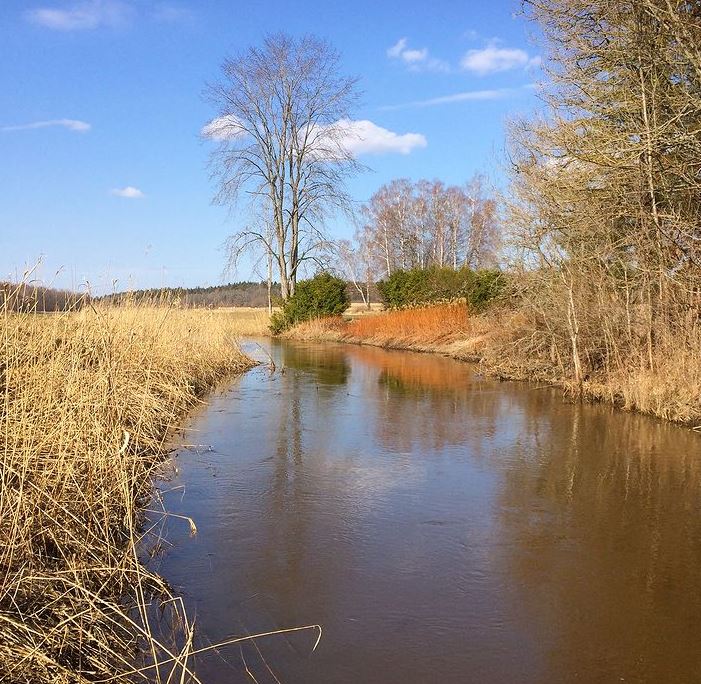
column 282, row 127
column 426, row 223
column 482, row 234
column 606, row 192
column 359, row 262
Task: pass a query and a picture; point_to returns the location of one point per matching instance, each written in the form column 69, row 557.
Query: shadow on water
column 441, row 526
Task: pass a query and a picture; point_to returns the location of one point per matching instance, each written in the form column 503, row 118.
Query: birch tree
column 426, row 223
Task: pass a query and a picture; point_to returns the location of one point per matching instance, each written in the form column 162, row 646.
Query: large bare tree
column 282, row 129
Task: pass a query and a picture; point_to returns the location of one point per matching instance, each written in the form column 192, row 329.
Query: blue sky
column 103, row 173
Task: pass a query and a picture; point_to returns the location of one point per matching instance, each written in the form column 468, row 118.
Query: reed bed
column 88, row 400
column 430, row 325
column 445, row 328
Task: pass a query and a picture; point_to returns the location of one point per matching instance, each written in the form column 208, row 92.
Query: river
column 439, row 525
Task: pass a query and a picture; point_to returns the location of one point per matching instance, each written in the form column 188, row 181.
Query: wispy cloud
column 82, row 15
column 493, row 59
column 128, row 192
column 355, row 137
column 171, row 13
column 223, row 128
column 467, row 96
column 415, row 59
column 70, row 124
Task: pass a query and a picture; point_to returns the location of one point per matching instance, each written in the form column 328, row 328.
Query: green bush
column 322, row 295
column 486, row 286
column 417, row 286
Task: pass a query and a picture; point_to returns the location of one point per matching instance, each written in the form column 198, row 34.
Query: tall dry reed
column 444, row 328
column 87, row 401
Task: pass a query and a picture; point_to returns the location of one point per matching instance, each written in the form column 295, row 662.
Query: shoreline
column 91, row 402
column 484, row 344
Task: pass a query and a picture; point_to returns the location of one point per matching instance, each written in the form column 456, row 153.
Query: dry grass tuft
column 87, row 401
column 446, row 328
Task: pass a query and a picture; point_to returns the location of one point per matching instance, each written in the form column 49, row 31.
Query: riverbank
column 507, row 345
column 88, row 401
column 444, row 330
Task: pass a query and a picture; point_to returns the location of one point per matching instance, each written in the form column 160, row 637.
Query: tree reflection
column 601, row 541
column 327, row 364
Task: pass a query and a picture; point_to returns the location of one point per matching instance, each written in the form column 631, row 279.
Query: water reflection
column 329, row 367
column 601, row 522
column 440, row 526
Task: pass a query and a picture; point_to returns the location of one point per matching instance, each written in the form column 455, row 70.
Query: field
column 359, row 310
column 245, row 320
column 88, row 401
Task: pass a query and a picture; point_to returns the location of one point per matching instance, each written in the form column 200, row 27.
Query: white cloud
column 470, row 95
column 413, row 56
column 493, row 59
column 129, row 192
column 397, row 49
column 70, row 124
column 415, row 60
column 223, row 128
column 365, row 137
column 535, row 62
column 82, row 15
column 354, row 137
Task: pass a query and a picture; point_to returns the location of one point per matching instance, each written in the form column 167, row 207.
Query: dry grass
column 669, row 388
column 448, row 329
column 88, row 399
column 360, row 310
column 244, row 320
column 432, row 325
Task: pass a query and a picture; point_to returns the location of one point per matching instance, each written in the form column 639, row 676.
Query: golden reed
column 87, row 402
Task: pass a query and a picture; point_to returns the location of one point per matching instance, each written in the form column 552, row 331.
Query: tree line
column 27, row 297
column 420, row 225
column 244, row 293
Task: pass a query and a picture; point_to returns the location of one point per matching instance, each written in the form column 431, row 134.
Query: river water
column 439, row 525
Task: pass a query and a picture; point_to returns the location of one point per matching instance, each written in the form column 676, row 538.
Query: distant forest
column 26, row 297
column 45, row 299
column 231, row 294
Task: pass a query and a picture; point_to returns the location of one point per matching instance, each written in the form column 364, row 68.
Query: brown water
column 440, row 526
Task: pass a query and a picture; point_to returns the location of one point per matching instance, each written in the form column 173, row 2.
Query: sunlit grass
column 432, row 328
column 87, row 402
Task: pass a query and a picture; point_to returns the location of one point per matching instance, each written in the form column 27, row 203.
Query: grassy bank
column 511, row 345
column 446, row 329
column 88, row 399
